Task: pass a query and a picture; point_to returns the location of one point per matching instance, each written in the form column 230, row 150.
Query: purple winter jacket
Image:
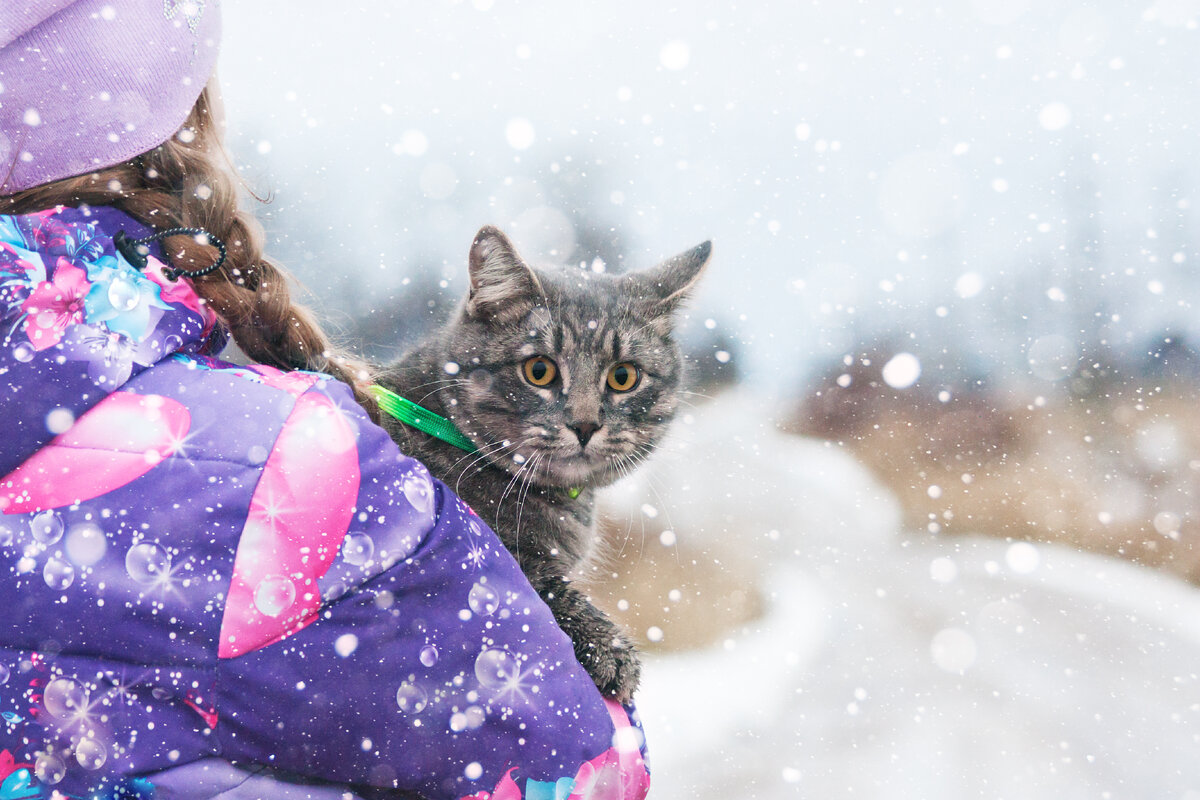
column 210, row 564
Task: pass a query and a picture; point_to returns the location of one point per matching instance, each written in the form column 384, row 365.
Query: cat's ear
column 502, row 285
column 666, row 286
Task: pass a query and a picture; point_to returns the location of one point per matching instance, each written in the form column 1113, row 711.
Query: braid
column 189, row 181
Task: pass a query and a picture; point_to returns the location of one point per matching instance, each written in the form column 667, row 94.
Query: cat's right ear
column 502, row 285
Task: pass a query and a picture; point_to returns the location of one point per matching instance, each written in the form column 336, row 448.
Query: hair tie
column 136, row 251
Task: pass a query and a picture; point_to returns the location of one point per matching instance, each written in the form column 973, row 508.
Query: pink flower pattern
column 54, row 305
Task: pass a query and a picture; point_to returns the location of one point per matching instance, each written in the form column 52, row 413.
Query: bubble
column 123, row 294
column 49, row 768
column 91, row 754
column 47, row 527
column 483, row 600
column 675, row 55
column 60, row 420
column 519, row 133
column 953, row 649
column 943, row 570
column 274, row 595
column 357, row 548
column 64, row 697
column 412, row 142
column 411, row 698
column 5, row 674
column 968, row 284
column 86, row 543
column 24, row 352
column 58, row 574
column 345, row 645
column 473, row 771
column 6, row 535
column 902, row 371
column 419, row 492
column 1168, row 523
column 1022, row 557
column 429, row 656
column 627, row 740
column 1054, row 116
column 495, row 669
column 147, row 563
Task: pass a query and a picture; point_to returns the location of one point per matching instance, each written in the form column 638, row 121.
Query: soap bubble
column 123, row 295
column 47, row 527
column 429, row 656
column 419, row 492
column 5, row 674
column 91, row 754
column 24, row 352
column 274, row 595
column 147, row 563
column 86, row 544
column 49, row 768
column 483, row 600
column 64, row 697
column 6, row 535
column 953, row 649
column 411, row 698
column 357, row 548
column 495, row 669
column 345, row 645
column 902, row 371
column 58, row 574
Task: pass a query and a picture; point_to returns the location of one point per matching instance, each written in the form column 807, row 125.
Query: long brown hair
column 189, row 181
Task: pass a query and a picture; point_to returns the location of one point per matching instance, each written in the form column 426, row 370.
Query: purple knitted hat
column 86, row 84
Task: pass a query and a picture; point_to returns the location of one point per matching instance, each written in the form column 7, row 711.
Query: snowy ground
column 897, row 665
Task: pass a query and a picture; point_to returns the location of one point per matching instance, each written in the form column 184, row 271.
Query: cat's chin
column 580, row 471
column 584, row 471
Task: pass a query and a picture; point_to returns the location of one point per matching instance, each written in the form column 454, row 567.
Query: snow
column 896, row 664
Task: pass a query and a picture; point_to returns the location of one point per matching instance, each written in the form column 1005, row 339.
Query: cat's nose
column 584, row 431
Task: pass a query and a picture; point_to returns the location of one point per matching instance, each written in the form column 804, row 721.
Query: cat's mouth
column 573, row 468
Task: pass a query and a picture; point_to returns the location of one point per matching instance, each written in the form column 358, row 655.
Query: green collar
column 427, row 421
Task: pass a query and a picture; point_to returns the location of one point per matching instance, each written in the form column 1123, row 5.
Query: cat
column 564, row 381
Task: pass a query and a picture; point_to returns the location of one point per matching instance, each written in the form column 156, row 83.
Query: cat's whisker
column 486, row 454
column 512, row 482
column 521, row 494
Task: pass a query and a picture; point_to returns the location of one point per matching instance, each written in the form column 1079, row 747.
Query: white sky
column 852, row 161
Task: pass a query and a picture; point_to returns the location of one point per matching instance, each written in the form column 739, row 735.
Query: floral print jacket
column 212, row 569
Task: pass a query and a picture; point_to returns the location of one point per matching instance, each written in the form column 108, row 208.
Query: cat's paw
column 614, row 667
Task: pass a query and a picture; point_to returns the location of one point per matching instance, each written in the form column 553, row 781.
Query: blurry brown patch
column 1096, row 464
column 672, row 598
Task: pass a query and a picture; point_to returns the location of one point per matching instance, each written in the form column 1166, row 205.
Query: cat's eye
column 623, row 377
column 540, row 371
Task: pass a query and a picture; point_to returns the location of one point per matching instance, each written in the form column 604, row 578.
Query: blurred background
column 927, row 525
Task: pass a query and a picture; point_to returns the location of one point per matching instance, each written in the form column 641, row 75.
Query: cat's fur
column 537, row 444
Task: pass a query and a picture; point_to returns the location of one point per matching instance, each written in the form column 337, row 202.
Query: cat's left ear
column 503, row 287
column 666, row 286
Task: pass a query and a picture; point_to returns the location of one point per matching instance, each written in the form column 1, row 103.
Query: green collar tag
column 420, row 418
column 428, row 422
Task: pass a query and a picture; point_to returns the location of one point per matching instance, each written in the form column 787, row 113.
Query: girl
column 226, row 580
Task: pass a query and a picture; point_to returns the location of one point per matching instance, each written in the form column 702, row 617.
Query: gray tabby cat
column 564, row 380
